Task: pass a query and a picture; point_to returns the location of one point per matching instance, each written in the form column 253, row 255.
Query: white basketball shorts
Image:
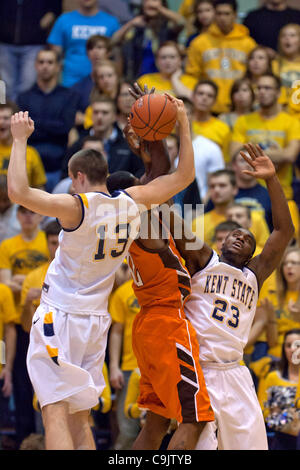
column 65, row 357
column 239, row 422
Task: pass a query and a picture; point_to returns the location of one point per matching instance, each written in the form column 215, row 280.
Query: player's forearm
column 272, row 333
column 119, row 35
column 160, row 161
column 281, row 217
column 17, row 181
column 173, row 16
column 10, row 345
column 255, row 332
column 285, row 155
column 26, row 317
column 186, row 168
column 180, row 89
column 115, row 347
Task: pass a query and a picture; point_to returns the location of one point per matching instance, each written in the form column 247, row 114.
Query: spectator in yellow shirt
column 35, row 169
column 287, row 63
column 277, row 395
column 274, row 130
column 220, row 54
column 8, row 316
column 203, row 122
column 123, row 308
column 242, row 99
column 18, row 256
column 22, row 253
column 170, row 77
column 259, row 63
column 287, row 298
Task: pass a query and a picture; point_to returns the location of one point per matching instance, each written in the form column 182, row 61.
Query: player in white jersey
column 69, row 329
column 221, row 308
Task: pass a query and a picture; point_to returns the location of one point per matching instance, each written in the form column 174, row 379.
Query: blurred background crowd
column 236, row 66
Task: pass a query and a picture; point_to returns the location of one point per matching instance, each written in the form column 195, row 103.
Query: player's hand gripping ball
column 153, row 116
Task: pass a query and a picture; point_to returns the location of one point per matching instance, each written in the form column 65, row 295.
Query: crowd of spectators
column 70, row 64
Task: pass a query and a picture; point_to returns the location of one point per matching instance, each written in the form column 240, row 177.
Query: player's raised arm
column 265, row 263
column 165, row 187
column 63, row 206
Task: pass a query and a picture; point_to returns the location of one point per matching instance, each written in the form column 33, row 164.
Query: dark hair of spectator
column 232, row 3
column 275, row 78
column 52, row 228
column 170, row 44
column 226, row 226
column 93, row 41
column 224, row 171
column 207, row 82
column 48, row 48
column 250, row 56
column 90, row 138
column 91, row 163
column 10, row 105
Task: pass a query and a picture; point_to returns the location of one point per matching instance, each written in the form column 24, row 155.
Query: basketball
column 153, row 116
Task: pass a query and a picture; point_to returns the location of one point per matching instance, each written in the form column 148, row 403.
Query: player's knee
column 156, row 424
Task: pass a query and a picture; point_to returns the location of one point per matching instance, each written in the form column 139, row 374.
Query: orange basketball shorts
column 167, row 351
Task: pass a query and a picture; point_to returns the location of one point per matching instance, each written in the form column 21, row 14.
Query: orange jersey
column 159, row 277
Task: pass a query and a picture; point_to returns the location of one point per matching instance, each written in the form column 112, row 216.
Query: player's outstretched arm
column 263, row 168
column 165, row 187
column 63, row 206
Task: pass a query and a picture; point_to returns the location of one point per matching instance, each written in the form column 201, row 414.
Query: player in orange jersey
column 164, row 342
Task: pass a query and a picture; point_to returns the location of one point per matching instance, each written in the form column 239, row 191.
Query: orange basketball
column 153, row 116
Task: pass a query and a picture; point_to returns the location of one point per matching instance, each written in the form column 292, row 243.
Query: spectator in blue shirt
column 70, row 33
column 53, row 108
column 24, row 27
column 140, row 37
